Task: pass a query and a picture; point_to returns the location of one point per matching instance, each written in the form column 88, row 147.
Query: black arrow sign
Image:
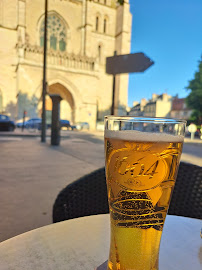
column 128, row 63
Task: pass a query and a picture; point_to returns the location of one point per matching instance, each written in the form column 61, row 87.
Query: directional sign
column 128, row 63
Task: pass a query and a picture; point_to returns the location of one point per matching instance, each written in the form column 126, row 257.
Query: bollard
column 55, row 126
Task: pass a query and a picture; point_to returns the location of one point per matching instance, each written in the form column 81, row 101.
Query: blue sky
column 170, row 33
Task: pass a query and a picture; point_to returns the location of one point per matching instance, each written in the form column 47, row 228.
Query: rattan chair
column 187, row 195
column 84, row 197
column 88, row 195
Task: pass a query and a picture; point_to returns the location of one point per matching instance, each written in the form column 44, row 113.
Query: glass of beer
column 142, row 156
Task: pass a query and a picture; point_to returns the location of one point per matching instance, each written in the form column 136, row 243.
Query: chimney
column 135, row 103
column 143, row 102
column 154, row 97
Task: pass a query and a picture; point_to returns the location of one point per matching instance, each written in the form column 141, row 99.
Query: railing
column 56, row 58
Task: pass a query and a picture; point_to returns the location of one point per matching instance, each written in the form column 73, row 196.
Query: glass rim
column 130, row 118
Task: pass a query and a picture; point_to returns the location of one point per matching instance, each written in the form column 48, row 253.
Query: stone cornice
column 75, row 63
column 78, row 2
column 25, row 62
column 121, row 32
column 8, row 28
column 73, row 1
column 39, row 50
column 113, row 5
column 102, row 34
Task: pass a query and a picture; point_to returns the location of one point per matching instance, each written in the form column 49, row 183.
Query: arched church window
column 1, row 101
column 97, row 23
column 56, row 35
column 105, row 26
column 99, row 52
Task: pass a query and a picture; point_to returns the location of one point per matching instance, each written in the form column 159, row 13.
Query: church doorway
column 67, row 105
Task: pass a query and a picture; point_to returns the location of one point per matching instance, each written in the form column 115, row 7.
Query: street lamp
column 43, row 125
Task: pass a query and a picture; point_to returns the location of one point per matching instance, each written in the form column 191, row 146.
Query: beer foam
column 140, row 136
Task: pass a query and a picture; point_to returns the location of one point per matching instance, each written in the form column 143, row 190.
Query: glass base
column 103, row 266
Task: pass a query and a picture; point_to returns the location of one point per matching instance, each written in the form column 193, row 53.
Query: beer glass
column 142, row 156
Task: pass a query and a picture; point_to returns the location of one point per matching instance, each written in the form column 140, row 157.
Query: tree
column 121, row 2
column 194, row 99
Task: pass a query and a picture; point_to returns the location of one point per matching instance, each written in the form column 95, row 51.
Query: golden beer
column 141, row 169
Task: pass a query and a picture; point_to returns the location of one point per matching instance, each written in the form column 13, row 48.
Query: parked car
column 81, row 126
column 32, row 123
column 19, row 124
column 35, row 123
column 65, row 124
column 6, row 124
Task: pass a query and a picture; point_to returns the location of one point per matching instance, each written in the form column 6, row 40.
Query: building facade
column 81, row 34
column 157, row 106
column 138, row 108
column 179, row 109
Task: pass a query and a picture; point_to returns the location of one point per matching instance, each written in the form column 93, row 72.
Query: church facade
column 81, row 34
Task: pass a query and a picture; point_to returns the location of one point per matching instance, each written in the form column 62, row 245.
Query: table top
column 83, row 243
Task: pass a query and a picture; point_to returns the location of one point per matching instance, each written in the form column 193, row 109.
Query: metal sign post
column 128, row 63
column 113, row 91
column 23, row 123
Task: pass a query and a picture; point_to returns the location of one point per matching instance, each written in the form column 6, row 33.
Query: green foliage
column 121, row 2
column 194, row 99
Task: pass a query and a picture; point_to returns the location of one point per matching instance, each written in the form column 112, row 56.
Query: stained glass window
column 41, row 41
column 53, row 42
column 56, row 34
column 62, row 45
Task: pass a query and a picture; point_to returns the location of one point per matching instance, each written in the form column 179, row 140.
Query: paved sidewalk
column 32, row 175
column 67, row 133
column 195, row 141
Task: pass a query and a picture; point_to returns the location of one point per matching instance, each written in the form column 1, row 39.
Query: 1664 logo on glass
column 142, row 170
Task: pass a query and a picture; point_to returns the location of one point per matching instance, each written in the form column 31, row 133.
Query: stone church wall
column 76, row 57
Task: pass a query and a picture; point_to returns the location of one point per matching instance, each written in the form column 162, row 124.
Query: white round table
column 83, row 243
